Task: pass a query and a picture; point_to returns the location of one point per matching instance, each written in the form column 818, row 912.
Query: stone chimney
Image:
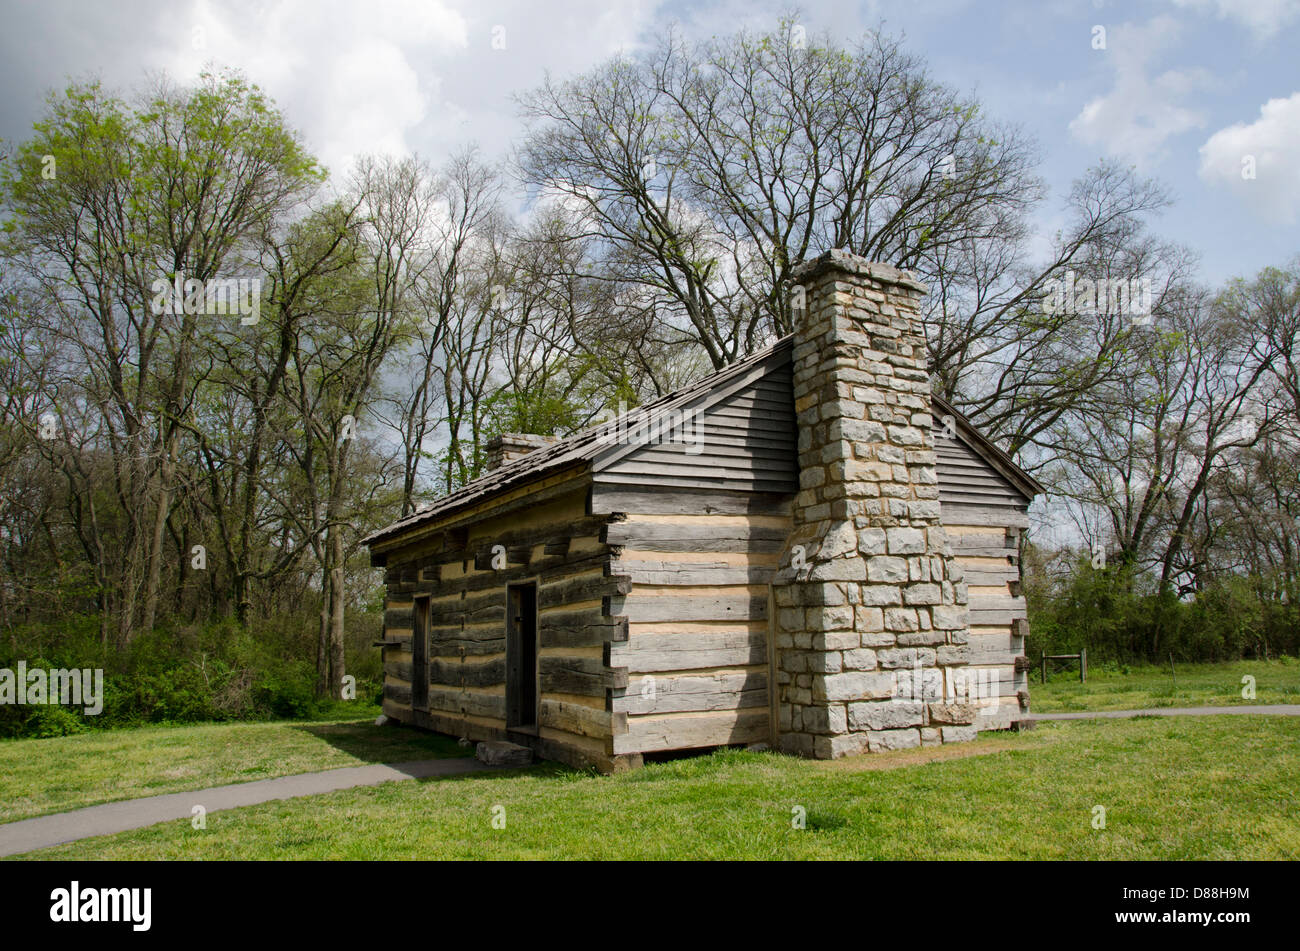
column 872, row 631
column 508, row 447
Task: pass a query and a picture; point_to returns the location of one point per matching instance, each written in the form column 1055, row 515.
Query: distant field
column 1188, row 685
column 68, row 772
column 1190, row 788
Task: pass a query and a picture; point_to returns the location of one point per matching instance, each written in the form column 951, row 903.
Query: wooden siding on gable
column 750, row 444
column 966, row 478
column 746, row 442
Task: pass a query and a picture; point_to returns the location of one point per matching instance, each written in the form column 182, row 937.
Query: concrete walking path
column 26, row 835
column 1277, row 709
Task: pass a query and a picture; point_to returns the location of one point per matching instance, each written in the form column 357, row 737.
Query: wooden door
column 420, row 655
column 521, row 655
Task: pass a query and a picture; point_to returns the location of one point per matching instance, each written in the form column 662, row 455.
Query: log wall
column 986, row 545
column 696, row 656
column 700, row 564
column 558, row 546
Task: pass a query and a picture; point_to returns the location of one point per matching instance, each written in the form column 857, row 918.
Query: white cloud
column 1141, row 112
column 1273, row 141
column 396, row 76
column 1264, row 18
column 353, row 77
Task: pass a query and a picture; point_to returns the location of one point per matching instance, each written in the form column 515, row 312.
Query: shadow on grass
column 542, row 770
column 825, row 821
column 395, row 745
column 369, row 743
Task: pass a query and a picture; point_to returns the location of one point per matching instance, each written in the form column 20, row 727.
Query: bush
column 47, row 721
column 185, row 674
column 287, row 697
column 178, row 695
column 1119, row 618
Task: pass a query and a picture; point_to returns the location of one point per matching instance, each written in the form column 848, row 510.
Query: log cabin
column 806, row 549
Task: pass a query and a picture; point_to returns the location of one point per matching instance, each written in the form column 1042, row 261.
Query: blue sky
column 1184, row 89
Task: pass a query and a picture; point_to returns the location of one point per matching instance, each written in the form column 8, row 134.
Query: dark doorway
column 521, row 655
column 420, row 655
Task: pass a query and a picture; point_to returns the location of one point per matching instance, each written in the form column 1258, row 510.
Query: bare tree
column 175, row 188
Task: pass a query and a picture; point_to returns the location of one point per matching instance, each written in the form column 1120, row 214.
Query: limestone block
column 952, row 714
column 906, row 541
column 892, row 714
column 882, row 740
column 854, row 685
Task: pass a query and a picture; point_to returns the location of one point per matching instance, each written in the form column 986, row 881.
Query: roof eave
column 1026, row 484
column 385, row 540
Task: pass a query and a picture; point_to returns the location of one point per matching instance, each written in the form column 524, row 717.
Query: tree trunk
column 336, row 621
column 322, row 636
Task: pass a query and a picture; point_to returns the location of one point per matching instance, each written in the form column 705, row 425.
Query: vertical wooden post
column 1042, row 673
column 1083, row 665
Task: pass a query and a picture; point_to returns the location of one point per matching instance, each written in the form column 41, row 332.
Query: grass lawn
column 1198, row 685
column 67, row 772
column 1203, row 788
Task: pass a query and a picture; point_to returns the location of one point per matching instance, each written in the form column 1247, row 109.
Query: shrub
column 1118, row 617
column 214, row 671
column 47, row 721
